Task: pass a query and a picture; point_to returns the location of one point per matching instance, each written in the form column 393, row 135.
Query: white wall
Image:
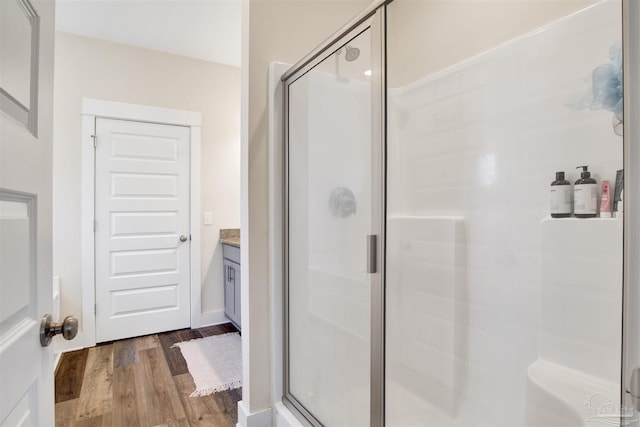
column 87, row 67
column 435, row 34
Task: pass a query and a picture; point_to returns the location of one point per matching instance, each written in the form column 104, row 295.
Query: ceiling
column 203, row 29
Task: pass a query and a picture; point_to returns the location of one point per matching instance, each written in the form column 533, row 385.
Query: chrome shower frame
column 631, row 269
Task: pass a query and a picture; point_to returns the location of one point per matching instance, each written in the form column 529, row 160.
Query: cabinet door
column 229, row 292
column 237, row 287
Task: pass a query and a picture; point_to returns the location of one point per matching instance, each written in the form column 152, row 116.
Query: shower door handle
column 372, row 253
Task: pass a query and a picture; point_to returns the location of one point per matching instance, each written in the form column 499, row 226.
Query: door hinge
column 95, row 140
column 189, row 236
column 94, row 225
column 95, row 309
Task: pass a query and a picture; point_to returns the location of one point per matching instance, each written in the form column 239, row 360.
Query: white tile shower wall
column 581, row 273
column 482, row 140
column 429, row 253
column 330, row 291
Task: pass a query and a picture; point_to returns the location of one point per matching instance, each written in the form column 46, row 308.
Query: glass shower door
column 329, row 218
column 497, row 313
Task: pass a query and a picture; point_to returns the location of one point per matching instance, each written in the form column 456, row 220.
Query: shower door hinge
column 372, row 253
column 95, row 140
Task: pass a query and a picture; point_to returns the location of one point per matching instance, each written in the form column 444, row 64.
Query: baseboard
column 56, row 362
column 214, row 317
column 284, row 417
column 59, row 345
column 257, row 419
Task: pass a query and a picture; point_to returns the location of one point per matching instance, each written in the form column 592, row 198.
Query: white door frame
column 92, row 109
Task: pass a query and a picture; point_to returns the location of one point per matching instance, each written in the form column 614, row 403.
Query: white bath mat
column 215, row 362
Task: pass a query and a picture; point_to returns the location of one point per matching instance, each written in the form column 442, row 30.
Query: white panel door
column 26, row 93
column 142, row 228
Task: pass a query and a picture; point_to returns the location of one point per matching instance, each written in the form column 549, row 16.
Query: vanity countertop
column 230, row 236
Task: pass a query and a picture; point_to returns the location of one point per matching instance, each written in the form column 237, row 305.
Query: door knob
column 183, row 238
column 68, row 328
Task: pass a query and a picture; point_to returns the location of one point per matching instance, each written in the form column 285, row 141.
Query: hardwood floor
column 139, row 382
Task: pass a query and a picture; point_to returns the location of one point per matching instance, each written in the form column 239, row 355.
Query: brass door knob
column 68, row 328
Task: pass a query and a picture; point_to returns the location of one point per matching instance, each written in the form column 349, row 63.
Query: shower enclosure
column 425, row 283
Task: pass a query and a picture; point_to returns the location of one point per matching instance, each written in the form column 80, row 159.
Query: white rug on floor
column 215, row 362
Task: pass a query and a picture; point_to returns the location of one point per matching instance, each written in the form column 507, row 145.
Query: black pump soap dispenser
column 585, row 195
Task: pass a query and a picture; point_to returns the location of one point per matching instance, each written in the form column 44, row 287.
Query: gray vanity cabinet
column 231, row 279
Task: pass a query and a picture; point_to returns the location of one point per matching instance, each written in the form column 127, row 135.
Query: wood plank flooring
column 139, row 382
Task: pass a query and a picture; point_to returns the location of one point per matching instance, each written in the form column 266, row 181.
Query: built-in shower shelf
column 574, row 219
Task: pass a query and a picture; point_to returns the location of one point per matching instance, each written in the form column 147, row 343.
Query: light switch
column 208, row 218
